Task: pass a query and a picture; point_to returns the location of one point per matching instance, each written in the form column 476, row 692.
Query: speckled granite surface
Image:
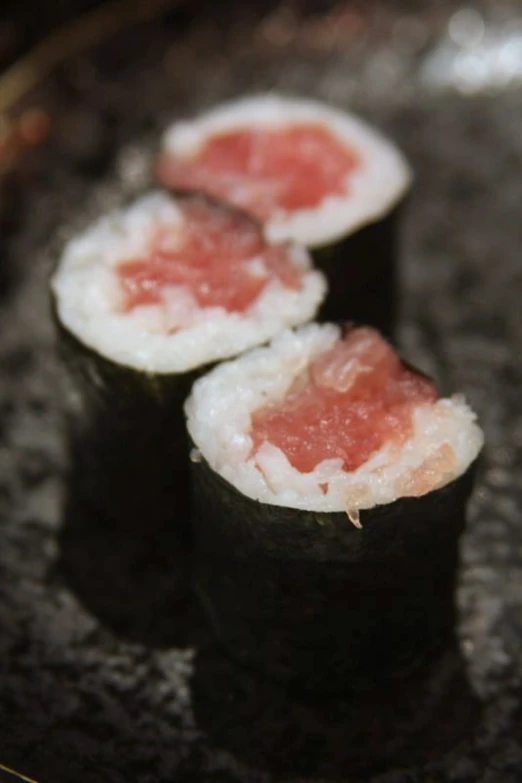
column 104, row 675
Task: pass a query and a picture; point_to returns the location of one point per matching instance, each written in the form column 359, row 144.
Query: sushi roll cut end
column 329, row 423
column 171, row 284
column 313, row 174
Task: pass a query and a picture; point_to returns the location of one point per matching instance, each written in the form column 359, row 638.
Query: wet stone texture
column 104, row 674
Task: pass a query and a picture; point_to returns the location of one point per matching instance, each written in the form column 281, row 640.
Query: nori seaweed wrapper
column 362, row 274
column 407, row 720
column 317, row 603
column 127, row 439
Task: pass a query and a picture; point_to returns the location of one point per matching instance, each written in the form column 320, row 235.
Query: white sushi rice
column 219, row 414
column 372, row 189
column 175, row 335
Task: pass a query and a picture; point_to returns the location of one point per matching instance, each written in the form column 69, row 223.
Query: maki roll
column 314, row 175
column 330, row 485
column 143, row 300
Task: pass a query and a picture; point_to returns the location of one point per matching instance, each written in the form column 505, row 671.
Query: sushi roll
column 144, row 299
column 330, row 485
column 314, row 175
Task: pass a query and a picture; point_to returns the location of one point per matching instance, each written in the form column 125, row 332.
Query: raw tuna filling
column 348, row 403
column 218, row 255
column 266, row 171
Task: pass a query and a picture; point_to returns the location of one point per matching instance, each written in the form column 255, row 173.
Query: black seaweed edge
column 320, row 548
column 272, row 514
column 115, row 410
column 362, row 270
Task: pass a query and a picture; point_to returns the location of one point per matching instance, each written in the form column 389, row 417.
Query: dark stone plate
column 104, row 674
